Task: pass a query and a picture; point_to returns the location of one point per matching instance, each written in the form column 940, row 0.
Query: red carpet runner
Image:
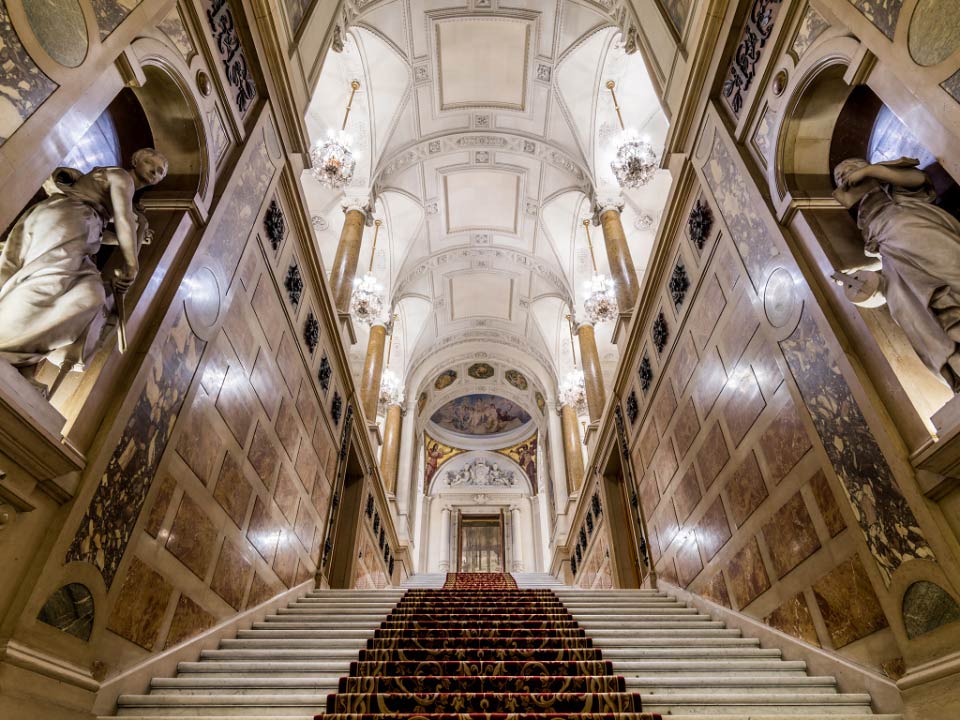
column 482, row 649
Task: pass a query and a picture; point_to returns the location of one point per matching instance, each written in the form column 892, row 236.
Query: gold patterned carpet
column 482, row 648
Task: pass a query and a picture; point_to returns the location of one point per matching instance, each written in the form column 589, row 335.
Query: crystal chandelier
column 573, row 389
column 391, row 388
column 366, row 302
column 636, row 160
column 333, row 161
column 601, row 302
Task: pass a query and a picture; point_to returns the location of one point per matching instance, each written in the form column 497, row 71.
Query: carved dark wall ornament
column 311, row 332
column 579, row 554
column 573, row 565
column 661, row 333
column 293, row 282
column 71, row 610
column 757, row 30
column 621, row 431
column 327, row 547
column 583, row 538
column 345, row 433
column 382, row 539
column 274, row 225
column 595, row 504
column 386, row 553
column 679, row 284
column 235, row 65
column 699, row 224
column 369, row 505
column 324, row 373
column 645, row 371
column 589, row 520
column 376, row 522
column 391, row 566
column 633, row 408
column 336, row 407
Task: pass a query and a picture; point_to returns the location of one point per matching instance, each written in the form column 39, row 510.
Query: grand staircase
column 396, row 649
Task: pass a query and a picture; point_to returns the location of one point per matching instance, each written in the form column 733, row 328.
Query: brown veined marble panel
column 712, row 455
column 238, row 329
column 713, row 530
column 110, row 13
column 285, row 563
column 324, row 446
column 304, row 527
column 649, row 496
column 790, row 535
column 233, row 491
column 744, row 405
column 687, row 494
column 264, row 530
column 888, row 524
column 686, row 428
column 320, row 497
column 189, row 620
column 684, row 362
column 231, row 575
column 269, row 312
column 663, row 407
column 288, row 359
column 716, row 590
column 108, row 523
column 304, row 572
column 665, row 465
column 24, row 86
column 738, row 331
column 307, row 466
column 215, row 365
column 746, row 489
column 307, row 407
column 199, row 444
column 237, row 403
column 649, row 440
column 848, row 604
column 287, row 494
column 710, row 381
column 765, row 367
column 160, row 504
column 141, row 604
column 729, row 267
column 748, row 578
column 883, row 14
column 706, row 312
column 266, row 383
column 192, row 538
column 667, row 525
column 784, row 442
column 261, row 590
column 668, row 571
column 264, row 455
column 689, row 563
column 288, row 428
column 793, row 618
column 827, row 504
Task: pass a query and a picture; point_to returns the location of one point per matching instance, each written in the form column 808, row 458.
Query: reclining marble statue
column 51, row 290
column 918, row 244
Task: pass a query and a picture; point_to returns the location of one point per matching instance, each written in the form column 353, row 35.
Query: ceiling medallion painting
column 445, row 379
column 421, row 403
column 541, row 402
column 524, row 454
column 480, row 371
column 480, row 414
column 517, row 379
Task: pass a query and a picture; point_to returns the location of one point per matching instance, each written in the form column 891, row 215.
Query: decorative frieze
column 235, row 66
column 756, row 31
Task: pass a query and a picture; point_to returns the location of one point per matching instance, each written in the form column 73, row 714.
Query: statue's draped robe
column 50, row 287
column 919, row 246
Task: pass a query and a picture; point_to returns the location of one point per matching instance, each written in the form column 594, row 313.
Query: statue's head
column 149, row 166
column 844, row 168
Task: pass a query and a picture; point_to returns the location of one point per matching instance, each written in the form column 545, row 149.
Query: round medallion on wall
column 780, row 82
column 60, row 29
column 203, row 301
column 932, row 38
column 781, row 302
column 203, row 83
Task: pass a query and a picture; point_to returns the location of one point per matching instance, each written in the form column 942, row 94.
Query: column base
column 621, row 329
column 347, row 330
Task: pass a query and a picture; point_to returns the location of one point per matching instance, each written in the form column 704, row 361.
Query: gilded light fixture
column 601, row 302
column 333, row 160
column 391, row 386
column 573, row 390
column 366, row 302
column 636, row 160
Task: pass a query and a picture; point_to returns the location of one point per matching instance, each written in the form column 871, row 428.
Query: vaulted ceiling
column 483, row 131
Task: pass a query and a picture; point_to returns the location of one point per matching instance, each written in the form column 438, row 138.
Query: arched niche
column 827, row 119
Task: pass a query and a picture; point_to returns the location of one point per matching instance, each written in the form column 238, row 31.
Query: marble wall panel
column 237, row 403
column 663, row 407
column 746, row 489
column 649, row 496
column 952, row 85
column 712, row 455
column 289, row 362
column 287, row 494
column 24, row 85
column 172, row 26
column 716, row 590
column 713, row 530
column 667, row 526
column 266, row 383
column 288, row 428
column 233, row 491
column 231, row 575
column 262, row 531
column 848, row 604
column 161, row 501
column 710, row 381
column 829, row 509
column 784, row 442
column 192, row 537
column 110, row 13
column 189, row 620
column 307, row 407
column 261, row 590
column 665, row 465
column 748, row 577
column 683, row 363
column 738, row 332
column 238, row 326
column 706, row 311
column 141, row 604
column 108, row 523
column 285, row 561
column 793, row 618
column 264, row 455
column 811, row 27
column 884, row 14
column 790, row 536
column 687, row 494
column 686, row 428
column 649, row 441
column 744, row 404
column 689, row 563
column 199, row 445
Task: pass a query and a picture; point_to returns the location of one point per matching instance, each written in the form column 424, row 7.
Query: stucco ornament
column 51, row 290
column 481, row 473
column 918, row 245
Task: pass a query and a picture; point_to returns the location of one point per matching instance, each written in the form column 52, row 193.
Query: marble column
column 390, row 455
column 517, row 539
column 445, row 540
column 573, row 455
column 405, row 468
column 592, row 374
column 618, row 255
column 344, row 268
column 558, row 466
column 372, row 371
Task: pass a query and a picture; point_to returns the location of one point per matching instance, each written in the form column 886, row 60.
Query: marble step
column 286, row 642
column 328, row 619
column 658, row 684
column 286, row 668
column 607, row 616
column 327, row 612
column 738, row 703
column 345, row 653
column 252, row 685
column 295, row 631
column 787, row 714
column 670, row 630
column 671, row 639
column 297, row 624
column 220, row 705
column 731, row 667
column 643, row 621
column 670, row 651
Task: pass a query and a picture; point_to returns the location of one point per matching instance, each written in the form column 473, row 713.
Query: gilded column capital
column 604, row 202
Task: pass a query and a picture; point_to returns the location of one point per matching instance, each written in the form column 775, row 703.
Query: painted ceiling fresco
column 480, row 414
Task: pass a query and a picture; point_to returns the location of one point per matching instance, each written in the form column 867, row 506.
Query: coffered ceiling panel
column 481, row 294
column 500, row 204
column 483, row 62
